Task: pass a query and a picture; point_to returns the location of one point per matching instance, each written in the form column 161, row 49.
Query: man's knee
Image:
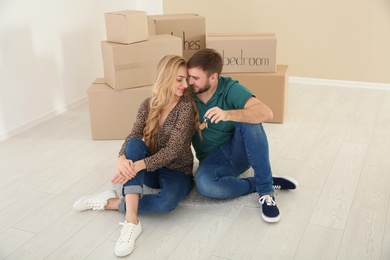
column 209, row 188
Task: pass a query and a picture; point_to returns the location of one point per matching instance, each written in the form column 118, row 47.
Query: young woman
column 157, row 153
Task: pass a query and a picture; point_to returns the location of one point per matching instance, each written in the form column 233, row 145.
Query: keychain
column 204, row 124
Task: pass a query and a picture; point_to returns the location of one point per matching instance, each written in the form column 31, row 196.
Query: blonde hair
column 163, row 94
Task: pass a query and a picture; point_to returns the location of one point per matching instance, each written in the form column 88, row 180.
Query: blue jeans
column 217, row 175
column 174, row 185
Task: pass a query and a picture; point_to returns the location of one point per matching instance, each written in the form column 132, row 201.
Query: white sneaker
column 125, row 244
column 94, row 202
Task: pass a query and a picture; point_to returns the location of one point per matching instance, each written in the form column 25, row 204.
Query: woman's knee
column 136, row 149
column 168, row 203
column 135, row 143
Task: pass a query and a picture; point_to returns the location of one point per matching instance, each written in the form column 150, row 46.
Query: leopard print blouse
column 173, row 138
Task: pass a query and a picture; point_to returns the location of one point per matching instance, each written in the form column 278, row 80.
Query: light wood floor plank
column 319, row 243
column 243, row 236
column 59, row 204
column 363, row 123
column 317, row 166
column 105, row 251
column 51, row 238
column 20, row 188
column 302, row 142
column 22, row 208
column 379, row 150
column 285, row 167
column 385, row 254
column 332, row 209
column 87, row 239
column 12, row 239
column 324, row 106
column 347, row 106
column 203, row 238
column 367, row 219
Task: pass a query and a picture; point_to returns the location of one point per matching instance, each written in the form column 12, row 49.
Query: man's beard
column 202, row 90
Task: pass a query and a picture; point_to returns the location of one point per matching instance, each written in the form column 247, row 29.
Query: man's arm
column 254, row 112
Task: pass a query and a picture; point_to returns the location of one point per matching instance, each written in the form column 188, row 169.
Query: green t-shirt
column 230, row 94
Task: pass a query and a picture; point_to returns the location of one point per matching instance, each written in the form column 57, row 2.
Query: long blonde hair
column 163, row 94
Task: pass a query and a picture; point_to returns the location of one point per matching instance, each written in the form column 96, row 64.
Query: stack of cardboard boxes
column 251, row 59
column 135, row 44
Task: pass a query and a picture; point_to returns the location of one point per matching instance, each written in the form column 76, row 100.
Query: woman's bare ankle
column 132, row 219
column 112, row 204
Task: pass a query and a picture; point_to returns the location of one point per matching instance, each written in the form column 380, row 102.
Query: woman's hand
column 125, row 167
column 125, row 170
column 119, row 179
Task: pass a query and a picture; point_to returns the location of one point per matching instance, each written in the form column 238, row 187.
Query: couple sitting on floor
column 223, row 121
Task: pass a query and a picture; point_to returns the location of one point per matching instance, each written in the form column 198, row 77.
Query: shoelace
column 126, row 232
column 277, row 187
column 267, row 199
column 96, row 205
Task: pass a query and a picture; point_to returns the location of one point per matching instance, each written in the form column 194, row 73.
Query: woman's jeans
column 217, row 175
column 174, row 185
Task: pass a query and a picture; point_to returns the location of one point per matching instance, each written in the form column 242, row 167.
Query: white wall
column 50, row 54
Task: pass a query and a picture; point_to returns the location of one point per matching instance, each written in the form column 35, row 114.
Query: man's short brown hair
column 208, row 60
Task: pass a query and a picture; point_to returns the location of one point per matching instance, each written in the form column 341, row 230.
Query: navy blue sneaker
column 270, row 210
column 284, row 183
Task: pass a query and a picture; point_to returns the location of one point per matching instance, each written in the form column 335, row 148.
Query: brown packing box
column 134, row 65
column 245, row 52
column 270, row 88
column 191, row 28
column 127, row 26
column 112, row 113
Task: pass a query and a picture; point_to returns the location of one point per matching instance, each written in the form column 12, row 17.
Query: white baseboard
column 41, row 119
column 339, row 83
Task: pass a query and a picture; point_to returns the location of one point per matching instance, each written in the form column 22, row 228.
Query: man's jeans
column 174, row 185
column 217, row 174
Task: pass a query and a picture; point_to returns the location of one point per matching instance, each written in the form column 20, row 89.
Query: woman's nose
column 185, row 83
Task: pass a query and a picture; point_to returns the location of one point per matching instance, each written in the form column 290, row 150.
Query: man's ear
column 214, row 76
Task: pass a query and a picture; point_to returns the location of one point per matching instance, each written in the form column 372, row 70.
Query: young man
column 233, row 138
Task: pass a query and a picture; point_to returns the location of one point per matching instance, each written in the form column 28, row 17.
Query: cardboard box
column 191, row 28
column 270, row 88
column 112, row 113
column 245, row 52
column 134, row 65
column 127, row 26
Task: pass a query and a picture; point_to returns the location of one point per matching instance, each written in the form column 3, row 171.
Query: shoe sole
column 128, row 252
column 270, row 220
column 289, row 179
column 78, row 202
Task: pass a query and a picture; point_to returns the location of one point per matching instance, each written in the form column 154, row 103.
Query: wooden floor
column 335, row 142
